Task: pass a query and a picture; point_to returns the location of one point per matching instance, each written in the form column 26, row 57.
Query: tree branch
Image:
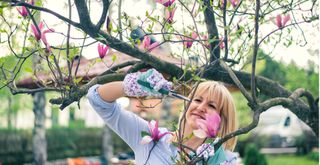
column 253, row 124
column 255, row 51
column 105, row 10
column 237, row 82
column 77, row 93
column 18, row 3
column 209, row 19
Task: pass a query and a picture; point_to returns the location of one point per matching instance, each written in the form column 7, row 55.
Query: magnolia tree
column 222, row 36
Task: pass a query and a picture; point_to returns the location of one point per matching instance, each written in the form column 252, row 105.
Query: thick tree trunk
column 39, row 131
column 107, row 147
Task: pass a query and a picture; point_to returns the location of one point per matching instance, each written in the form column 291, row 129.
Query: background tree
column 222, row 36
column 12, row 104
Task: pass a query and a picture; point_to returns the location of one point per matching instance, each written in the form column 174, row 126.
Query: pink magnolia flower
column 44, row 39
column 165, row 3
column 169, row 14
column 189, row 41
column 221, row 4
column 221, row 43
column 234, row 3
column 102, row 50
column 208, row 127
column 32, row 2
column 285, row 20
column 35, row 32
column 281, row 22
column 206, row 41
column 23, row 11
column 146, row 43
column 41, row 35
column 155, row 133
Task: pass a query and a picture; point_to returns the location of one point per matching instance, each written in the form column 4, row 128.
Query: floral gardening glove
column 152, row 76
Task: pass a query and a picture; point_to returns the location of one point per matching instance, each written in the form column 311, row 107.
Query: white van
column 280, row 128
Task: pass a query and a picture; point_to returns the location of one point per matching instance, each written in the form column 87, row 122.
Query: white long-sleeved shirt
column 129, row 127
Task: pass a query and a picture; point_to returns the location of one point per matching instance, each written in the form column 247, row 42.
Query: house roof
column 90, row 68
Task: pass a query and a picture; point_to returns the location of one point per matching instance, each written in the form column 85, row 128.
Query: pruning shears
column 164, row 91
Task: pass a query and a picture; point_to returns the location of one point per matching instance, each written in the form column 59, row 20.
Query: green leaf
column 3, row 30
column 77, row 80
column 151, row 18
column 74, row 51
column 138, row 41
column 51, row 57
column 144, row 133
column 99, row 60
column 197, row 78
column 114, row 57
column 211, row 41
column 209, row 140
column 28, row 69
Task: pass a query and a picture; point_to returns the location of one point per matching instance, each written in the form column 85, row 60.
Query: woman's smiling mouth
column 198, row 116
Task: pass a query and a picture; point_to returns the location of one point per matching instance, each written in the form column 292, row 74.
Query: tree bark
column 39, row 141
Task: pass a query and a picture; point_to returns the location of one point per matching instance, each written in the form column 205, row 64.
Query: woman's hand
column 153, row 77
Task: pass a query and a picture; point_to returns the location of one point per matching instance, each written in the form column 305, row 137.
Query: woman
column 210, row 98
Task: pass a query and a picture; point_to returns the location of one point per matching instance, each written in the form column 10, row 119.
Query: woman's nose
column 202, row 107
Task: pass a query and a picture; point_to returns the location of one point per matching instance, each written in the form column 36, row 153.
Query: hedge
column 16, row 145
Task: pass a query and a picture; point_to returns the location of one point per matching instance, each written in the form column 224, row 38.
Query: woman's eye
column 212, row 106
column 197, row 100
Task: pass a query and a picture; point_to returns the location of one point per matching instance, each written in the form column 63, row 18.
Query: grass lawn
column 289, row 160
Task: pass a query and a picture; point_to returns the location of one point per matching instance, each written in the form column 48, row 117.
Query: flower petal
column 213, row 124
column 100, row 50
column 285, row 19
column 194, row 35
column 146, row 42
column 279, row 21
column 43, row 36
column 35, row 32
column 162, row 134
column 40, row 26
column 23, row 11
column 201, row 124
column 106, row 49
column 200, row 133
column 146, row 140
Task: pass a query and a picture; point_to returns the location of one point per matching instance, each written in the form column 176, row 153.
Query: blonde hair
column 226, row 108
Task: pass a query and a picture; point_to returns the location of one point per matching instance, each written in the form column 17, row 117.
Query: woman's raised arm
column 110, row 92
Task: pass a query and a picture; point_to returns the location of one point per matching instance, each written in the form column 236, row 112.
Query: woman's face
column 199, row 107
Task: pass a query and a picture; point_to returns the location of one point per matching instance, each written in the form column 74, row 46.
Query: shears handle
column 163, row 91
column 146, row 84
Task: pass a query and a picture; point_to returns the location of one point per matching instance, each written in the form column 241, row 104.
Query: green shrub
column 313, row 156
column 68, row 142
column 240, row 147
column 16, row 145
column 253, row 156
